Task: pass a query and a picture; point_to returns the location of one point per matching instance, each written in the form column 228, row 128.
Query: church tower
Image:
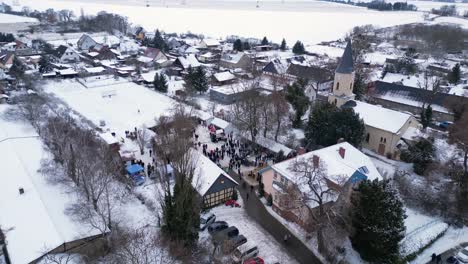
column 342, row 90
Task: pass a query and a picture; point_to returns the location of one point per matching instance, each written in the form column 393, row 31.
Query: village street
column 256, row 209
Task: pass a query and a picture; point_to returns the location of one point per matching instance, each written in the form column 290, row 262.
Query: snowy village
column 159, row 132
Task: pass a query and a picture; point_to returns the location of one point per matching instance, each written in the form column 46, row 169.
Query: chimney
column 21, row 190
column 342, row 152
column 340, row 140
column 301, row 151
column 316, row 160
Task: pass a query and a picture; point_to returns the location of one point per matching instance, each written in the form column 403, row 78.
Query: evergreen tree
column 238, row 45
column 426, row 116
column 295, row 95
column 298, row 48
column 160, row 83
column 378, row 221
column 246, row 45
column 265, row 41
column 327, row 124
column 181, row 215
column 359, row 86
column 454, row 76
column 196, row 80
column 158, row 42
column 44, row 64
column 283, row 45
column 421, row 154
column 17, row 69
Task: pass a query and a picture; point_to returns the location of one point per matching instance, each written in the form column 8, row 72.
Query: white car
column 244, row 252
column 463, row 255
column 206, row 220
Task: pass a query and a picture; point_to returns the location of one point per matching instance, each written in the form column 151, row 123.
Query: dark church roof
column 346, row 62
column 312, row 73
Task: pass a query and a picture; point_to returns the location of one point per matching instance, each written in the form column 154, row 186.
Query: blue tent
column 134, row 169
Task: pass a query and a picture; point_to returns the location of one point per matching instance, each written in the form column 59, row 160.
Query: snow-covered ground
column 308, row 21
column 420, row 231
column 130, row 106
column 6, row 18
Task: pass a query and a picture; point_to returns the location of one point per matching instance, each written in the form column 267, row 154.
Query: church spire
column 346, row 63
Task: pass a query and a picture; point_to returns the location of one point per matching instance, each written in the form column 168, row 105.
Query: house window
column 336, row 101
column 367, row 137
column 351, row 86
column 275, row 175
column 381, row 139
column 385, row 140
column 337, row 86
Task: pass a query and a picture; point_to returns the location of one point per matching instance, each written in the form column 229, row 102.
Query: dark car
column 452, row 260
column 233, row 242
column 217, row 226
column 227, row 233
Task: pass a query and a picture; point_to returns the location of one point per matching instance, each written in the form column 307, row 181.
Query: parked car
column 463, row 255
column 256, row 260
column 445, row 124
column 229, row 232
column 232, row 203
column 243, row 252
column 217, row 226
column 233, row 242
column 206, row 220
column 452, row 260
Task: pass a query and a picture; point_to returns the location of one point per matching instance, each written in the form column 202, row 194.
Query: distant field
column 308, row 21
column 5, row 18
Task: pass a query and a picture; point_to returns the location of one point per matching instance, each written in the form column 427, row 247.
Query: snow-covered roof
column 206, row 172
column 272, row 145
column 224, row 76
column 380, row 117
column 337, row 167
column 211, row 42
column 189, row 61
column 220, row 123
column 67, row 72
column 233, row 58
column 93, row 53
column 144, row 59
column 109, row 138
column 36, row 220
column 94, row 69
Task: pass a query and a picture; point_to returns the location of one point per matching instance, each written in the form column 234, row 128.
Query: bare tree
column 431, row 84
column 245, row 112
column 139, row 246
column 280, row 109
column 459, row 135
column 60, row 258
column 315, row 192
column 142, row 139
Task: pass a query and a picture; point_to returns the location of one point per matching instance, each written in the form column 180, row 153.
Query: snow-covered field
column 308, row 21
column 131, row 105
column 6, row 18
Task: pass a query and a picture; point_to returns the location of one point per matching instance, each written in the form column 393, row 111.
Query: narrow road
column 257, row 211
